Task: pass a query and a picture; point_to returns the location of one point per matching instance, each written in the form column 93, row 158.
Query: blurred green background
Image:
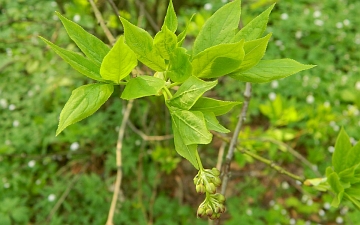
column 69, row 179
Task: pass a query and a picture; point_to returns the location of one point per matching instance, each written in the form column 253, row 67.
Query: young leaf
column 336, row 187
column 218, row 60
column 179, row 66
column 182, row 35
column 189, row 92
column 119, row 62
column 354, row 200
column 254, row 51
column 255, row 28
column 191, row 126
column 219, row 28
column 77, row 61
column 186, row 151
column 142, row 86
column 268, row 70
column 170, row 20
column 141, row 43
column 213, row 124
column 353, row 156
column 83, row 102
column 215, row 106
column 90, row 45
column 165, row 42
column 342, row 147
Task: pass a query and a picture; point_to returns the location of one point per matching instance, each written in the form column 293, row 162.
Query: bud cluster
column 212, row 206
column 206, row 181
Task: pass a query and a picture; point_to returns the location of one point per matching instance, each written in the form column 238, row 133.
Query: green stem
column 168, row 92
column 174, row 84
column 201, row 168
column 122, row 83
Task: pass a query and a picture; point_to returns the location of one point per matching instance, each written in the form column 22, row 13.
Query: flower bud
column 200, row 188
column 220, row 198
column 217, row 181
column 201, row 212
column 215, row 172
column 196, row 179
column 209, row 212
column 210, row 187
column 222, row 208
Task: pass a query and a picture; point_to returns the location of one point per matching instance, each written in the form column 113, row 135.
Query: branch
column 230, row 153
column 149, row 138
column 264, row 160
column 153, row 24
column 100, row 20
column 113, row 6
column 118, row 162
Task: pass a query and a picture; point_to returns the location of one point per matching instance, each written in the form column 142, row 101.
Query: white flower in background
column 327, row 205
column 326, row 104
column 38, row 182
column 6, row 185
column 319, row 23
column 284, row 16
column 275, row 84
column 309, row 202
column 249, row 212
column 16, row 123
column 74, row 146
column 137, row 142
column 272, row 96
column 4, row 103
column 344, row 210
column 53, row 4
column 339, row 25
column 292, row 221
column 30, row 93
column 12, row 107
column 31, row 163
column 310, row 99
column 224, row 1
column 278, row 42
column 339, row 220
column 321, row 212
column 9, row 52
column 76, row 18
column 283, row 212
column 285, row 185
column 346, row 22
column 208, row 6
column 317, row 14
column 51, row 197
column 298, row 34
column 331, row 149
column 357, row 85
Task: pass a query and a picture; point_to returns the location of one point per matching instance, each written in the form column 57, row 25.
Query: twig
column 100, row 20
column 65, row 194
column 230, row 153
column 113, row 6
column 295, row 154
column 147, row 15
column 262, row 159
column 119, row 163
column 220, row 155
column 147, row 137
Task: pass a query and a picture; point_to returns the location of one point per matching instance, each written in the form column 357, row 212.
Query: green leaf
column 189, row 92
column 213, row 124
column 353, row 156
column 170, row 20
column 77, row 61
column 119, row 62
column 268, row 70
column 20, row 214
column 142, row 86
column 255, row 28
column 141, row 43
column 182, row 35
column 354, row 191
column 215, row 106
column 83, row 102
column 191, row 126
column 254, row 51
column 90, row 45
column 179, row 66
column 342, row 147
column 354, row 200
column 218, row 60
column 165, row 42
column 5, row 219
column 219, row 28
column 335, row 184
column 186, row 151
